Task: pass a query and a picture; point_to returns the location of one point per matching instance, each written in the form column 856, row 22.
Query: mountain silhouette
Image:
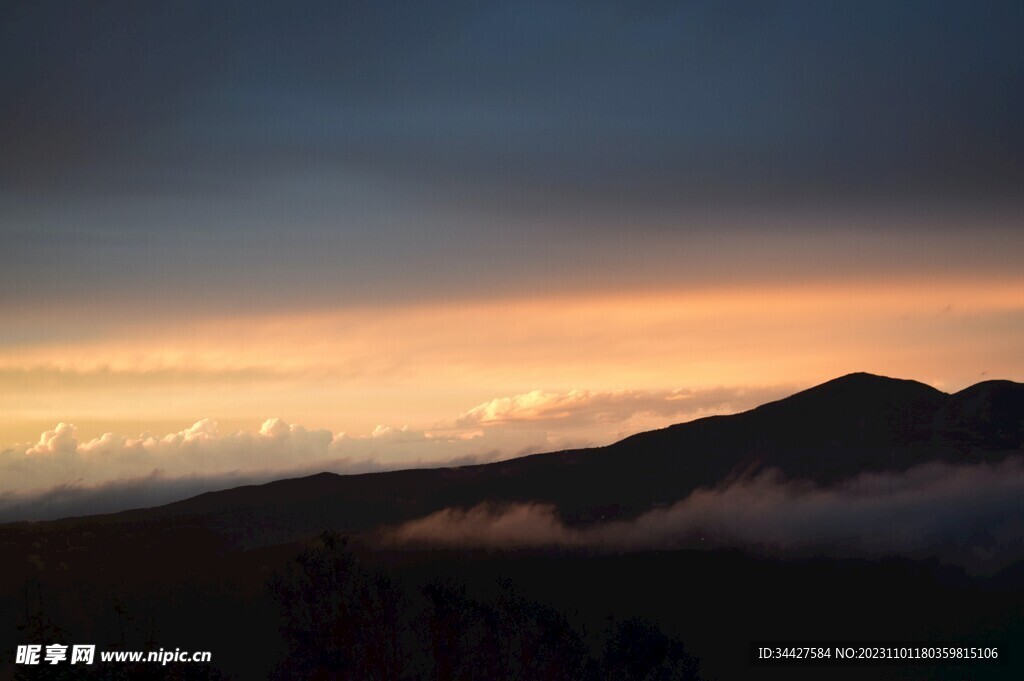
column 854, row 424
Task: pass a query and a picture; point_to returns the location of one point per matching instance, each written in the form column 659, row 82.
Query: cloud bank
column 978, row 510
column 61, row 474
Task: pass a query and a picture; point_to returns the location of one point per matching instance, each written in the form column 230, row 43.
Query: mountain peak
column 862, row 380
column 988, row 414
column 859, row 389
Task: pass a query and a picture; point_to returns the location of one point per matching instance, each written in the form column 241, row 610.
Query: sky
column 408, row 233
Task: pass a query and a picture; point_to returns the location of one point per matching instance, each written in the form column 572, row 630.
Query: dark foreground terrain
column 249, row 574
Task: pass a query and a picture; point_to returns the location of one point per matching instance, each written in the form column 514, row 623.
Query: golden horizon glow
column 351, row 369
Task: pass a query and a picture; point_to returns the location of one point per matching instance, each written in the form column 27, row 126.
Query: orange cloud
column 583, row 407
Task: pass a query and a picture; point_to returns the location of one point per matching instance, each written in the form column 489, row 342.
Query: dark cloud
column 970, row 513
column 549, row 101
column 151, row 148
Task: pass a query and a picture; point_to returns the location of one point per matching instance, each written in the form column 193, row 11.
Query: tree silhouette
column 339, row 620
column 383, row 618
column 342, row 621
column 535, row 641
column 508, row 638
column 316, row 595
column 453, row 628
column 637, row 649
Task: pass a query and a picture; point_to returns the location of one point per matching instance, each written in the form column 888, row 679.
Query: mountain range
column 837, row 430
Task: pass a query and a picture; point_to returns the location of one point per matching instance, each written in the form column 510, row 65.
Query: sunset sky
column 419, row 232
